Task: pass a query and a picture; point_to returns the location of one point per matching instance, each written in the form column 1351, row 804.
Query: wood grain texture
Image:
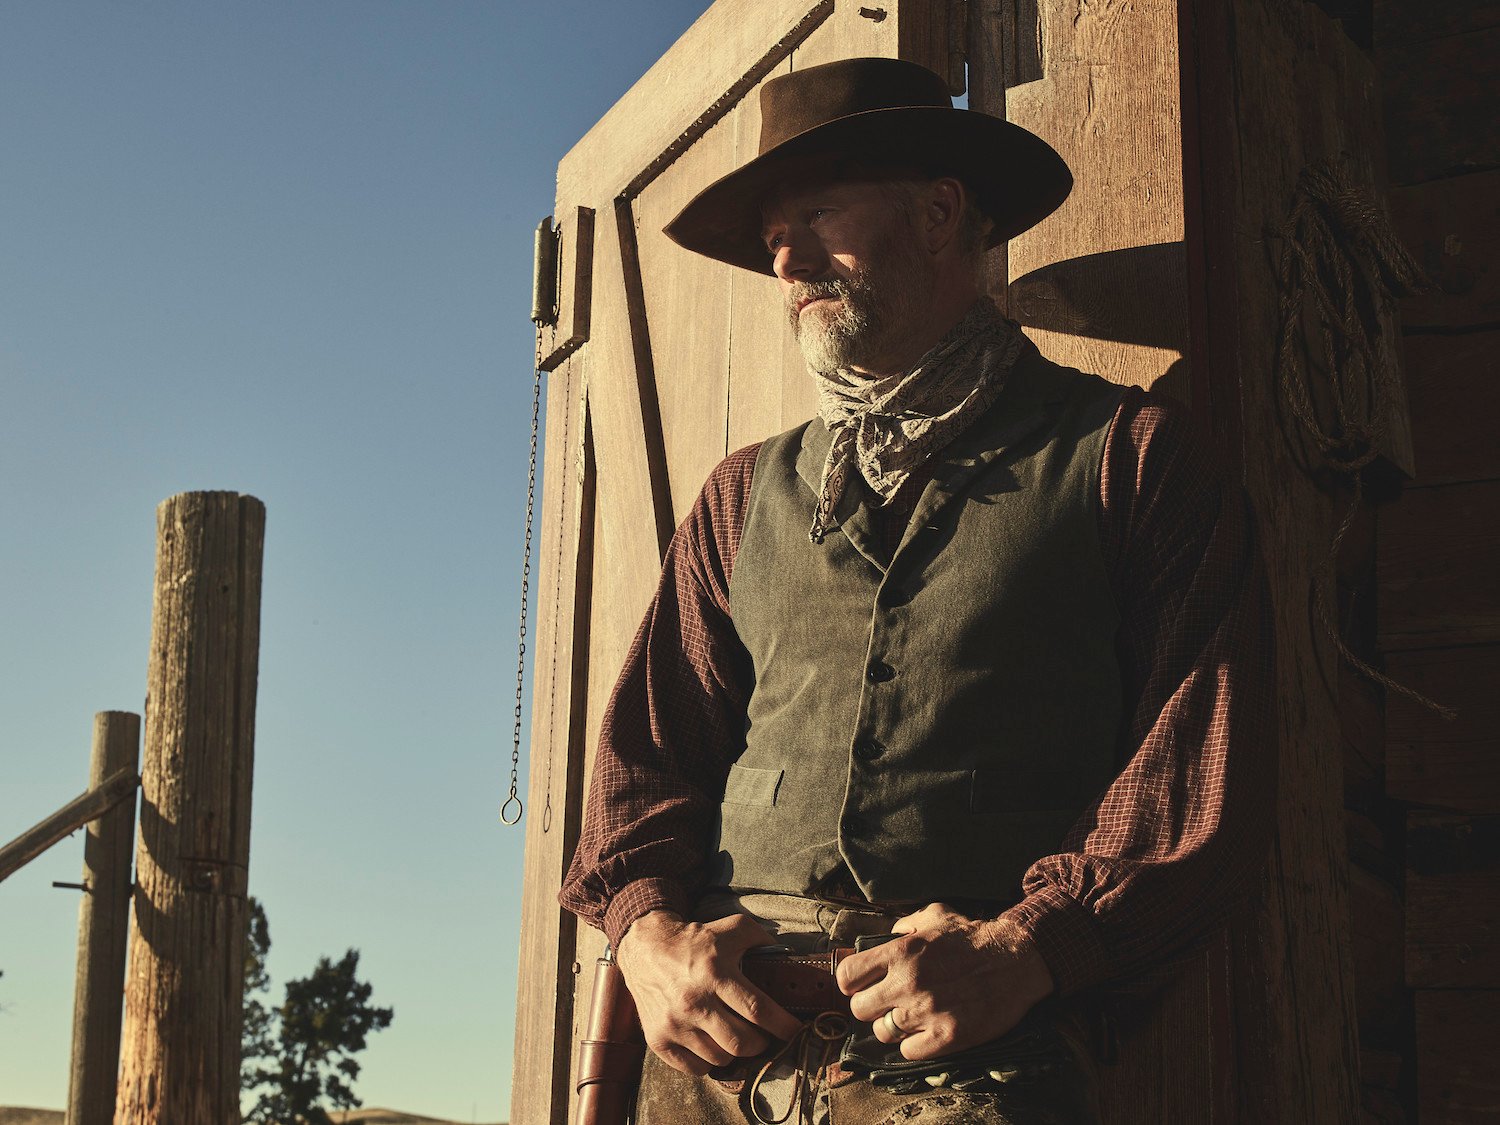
column 1455, row 393
column 1278, row 88
column 103, row 928
column 711, row 58
column 1101, row 284
column 1399, row 22
column 1458, row 1041
column 180, row 1049
column 87, row 806
column 1439, row 566
column 1440, row 105
column 1375, row 921
column 1453, row 900
column 1432, row 761
column 687, row 305
column 1452, row 226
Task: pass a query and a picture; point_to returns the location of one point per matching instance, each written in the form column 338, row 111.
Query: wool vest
column 936, row 720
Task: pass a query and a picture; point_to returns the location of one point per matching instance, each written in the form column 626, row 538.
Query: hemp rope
column 1339, row 253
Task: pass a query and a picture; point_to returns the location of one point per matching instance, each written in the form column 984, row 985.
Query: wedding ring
column 896, row 1029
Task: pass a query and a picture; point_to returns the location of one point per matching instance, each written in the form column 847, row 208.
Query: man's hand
column 697, row 1009
column 948, row 984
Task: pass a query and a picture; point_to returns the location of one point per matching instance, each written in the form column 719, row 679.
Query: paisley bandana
column 886, row 426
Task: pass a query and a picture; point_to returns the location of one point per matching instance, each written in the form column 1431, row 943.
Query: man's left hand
column 948, row 983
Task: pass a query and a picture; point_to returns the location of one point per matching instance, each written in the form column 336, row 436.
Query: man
column 978, row 658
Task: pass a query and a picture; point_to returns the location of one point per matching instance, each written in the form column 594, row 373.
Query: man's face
column 852, row 271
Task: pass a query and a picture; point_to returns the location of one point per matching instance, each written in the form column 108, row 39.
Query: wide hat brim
column 1017, row 178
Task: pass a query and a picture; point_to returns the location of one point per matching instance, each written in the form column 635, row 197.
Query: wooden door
column 661, row 363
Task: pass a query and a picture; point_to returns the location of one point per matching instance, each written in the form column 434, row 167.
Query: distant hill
column 16, row 1115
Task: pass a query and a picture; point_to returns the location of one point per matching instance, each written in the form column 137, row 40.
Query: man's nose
column 799, row 257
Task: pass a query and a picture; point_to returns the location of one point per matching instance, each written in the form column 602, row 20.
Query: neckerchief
column 884, row 427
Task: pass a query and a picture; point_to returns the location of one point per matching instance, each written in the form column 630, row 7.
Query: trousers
column 1052, row 1079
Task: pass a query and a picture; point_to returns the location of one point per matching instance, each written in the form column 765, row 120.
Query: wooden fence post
column 181, row 1049
column 103, row 922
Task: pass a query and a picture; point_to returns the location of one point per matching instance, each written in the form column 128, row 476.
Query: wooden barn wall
column 1434, row 794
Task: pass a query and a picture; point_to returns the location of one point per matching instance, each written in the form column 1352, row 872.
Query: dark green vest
column 937, row 723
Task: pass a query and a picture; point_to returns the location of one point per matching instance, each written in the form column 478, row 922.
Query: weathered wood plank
column 711, row 61
column 1452, row 900
column 1362, row 731
column 687, row 305
column 1375, row 918
column 87, row 806
column 1458, row 1041
column 1452, row 226
column 1455, row 396
column 1281, row 88
column 1416, row 21
column 1431, row 761
column 1440, row 105
column 1108, row 98
column 1439, row 566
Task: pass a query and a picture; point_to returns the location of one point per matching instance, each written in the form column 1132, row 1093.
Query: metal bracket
column 544, row 274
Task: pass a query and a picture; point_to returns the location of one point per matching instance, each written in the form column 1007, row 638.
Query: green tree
column 299, row 1056
column 257, row 1031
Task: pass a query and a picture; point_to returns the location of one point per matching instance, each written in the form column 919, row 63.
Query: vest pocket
column 748, row 785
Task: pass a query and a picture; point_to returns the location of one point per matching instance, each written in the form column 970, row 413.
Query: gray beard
column 873, row 303
column 845, row 339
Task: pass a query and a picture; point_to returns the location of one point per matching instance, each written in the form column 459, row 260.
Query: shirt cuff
column 1064, row 932
column 638, row 898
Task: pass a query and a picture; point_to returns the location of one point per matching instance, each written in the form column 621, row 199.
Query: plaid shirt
column 1151, row 867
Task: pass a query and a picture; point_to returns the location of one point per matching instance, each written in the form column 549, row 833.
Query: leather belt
column 802, row 983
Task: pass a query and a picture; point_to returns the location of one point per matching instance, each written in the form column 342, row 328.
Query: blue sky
column 284, row 249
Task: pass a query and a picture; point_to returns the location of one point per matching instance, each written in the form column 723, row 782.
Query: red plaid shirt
column 1168, row 847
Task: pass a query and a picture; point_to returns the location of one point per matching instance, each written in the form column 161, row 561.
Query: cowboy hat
column 881, row 111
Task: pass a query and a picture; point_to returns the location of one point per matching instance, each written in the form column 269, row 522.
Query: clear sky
column 284, row 248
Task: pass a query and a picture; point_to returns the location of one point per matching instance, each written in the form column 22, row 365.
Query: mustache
column 803, row 291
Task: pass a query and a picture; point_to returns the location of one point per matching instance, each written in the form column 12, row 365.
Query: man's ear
column 942, row 212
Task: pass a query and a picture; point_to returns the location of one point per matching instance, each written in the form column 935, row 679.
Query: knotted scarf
column 883, row 427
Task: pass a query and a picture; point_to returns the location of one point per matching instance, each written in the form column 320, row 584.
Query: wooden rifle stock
column 610, row 1054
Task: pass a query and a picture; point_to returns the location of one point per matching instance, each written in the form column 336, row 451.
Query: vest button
column 880, row 672
column 867, row 749
column 852, row 825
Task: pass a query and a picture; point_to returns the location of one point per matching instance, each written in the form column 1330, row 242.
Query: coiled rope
column 1341, row 261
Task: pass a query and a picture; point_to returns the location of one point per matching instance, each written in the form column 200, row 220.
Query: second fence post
column 103, row 922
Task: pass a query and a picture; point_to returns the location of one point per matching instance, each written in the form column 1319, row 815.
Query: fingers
column 694, row 1045
column 757, row 1008
column 862, row 970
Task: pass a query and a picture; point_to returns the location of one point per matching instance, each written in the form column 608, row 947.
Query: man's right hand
column 697, row 1009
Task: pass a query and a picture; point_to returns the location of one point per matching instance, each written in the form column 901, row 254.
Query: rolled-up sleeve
column 674, row 725
column 1173, row 843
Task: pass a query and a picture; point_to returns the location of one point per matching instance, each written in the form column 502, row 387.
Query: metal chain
column 506, row 815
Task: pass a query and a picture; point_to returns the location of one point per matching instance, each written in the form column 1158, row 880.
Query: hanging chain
column 506, row 815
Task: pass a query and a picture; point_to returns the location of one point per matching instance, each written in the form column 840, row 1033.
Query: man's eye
column 773, row 243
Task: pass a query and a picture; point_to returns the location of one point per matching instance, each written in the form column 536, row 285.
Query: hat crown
column 804, row 99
